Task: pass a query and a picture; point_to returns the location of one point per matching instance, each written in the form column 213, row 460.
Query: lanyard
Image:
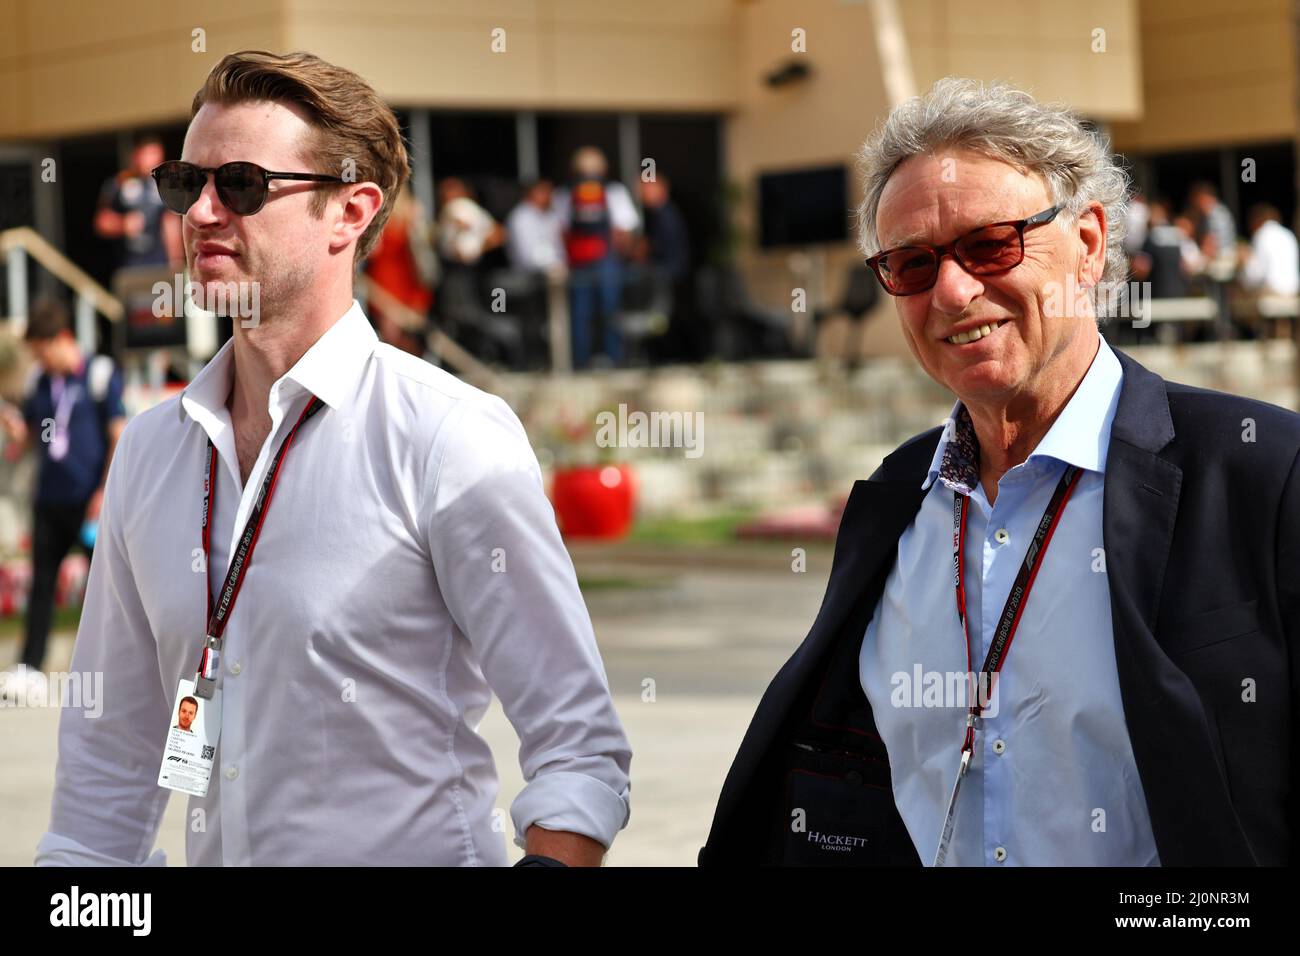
column 1000, row 646
column 64, row 397
column 219, row 612
column 57, row 382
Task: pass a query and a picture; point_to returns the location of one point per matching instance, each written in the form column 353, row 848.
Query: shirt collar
column 1080, row 435
column 328, row 369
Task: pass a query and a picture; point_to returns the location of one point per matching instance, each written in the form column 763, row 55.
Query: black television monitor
column 801, row 207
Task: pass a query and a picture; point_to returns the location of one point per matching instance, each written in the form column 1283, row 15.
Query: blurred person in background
column 405, row 266
column 73, row 414
column 1193, row 258
column 600, row 221
column 466, row 234
column 535, row 248
column 665, row 241
column 1269, row 268
column 534, row 232
column 1270, row 265
column 665, row 245
column 1216, row 230
column 1139, row 218
column 465, row 229
column 131, row 213
column 149, row 248
column 1160, row 259
column 1216, row 241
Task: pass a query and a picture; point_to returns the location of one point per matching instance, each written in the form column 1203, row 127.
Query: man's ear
column 360, row 204
column 1092, row 227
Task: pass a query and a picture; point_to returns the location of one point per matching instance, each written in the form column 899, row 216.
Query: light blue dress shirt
column 1052, row 780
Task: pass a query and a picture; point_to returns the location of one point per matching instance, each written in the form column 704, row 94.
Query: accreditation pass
column 191, row 747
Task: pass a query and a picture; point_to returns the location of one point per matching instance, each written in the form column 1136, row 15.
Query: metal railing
column 19, row 243
column 440, row 343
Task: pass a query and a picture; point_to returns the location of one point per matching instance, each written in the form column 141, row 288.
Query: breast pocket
column 1207, row 628
column 839, row 811
column 1233, row 667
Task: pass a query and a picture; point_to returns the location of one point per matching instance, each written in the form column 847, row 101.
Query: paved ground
column 710, row 627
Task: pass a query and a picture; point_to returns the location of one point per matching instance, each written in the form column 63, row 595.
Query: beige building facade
column 1160, row 74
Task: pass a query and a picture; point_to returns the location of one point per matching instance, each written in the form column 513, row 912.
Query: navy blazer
column 1201, row 530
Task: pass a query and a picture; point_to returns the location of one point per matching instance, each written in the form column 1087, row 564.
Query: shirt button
column 232, row 772
column 1002, row 536
column 1000, row 853
column 235, row 668
column 999, row 745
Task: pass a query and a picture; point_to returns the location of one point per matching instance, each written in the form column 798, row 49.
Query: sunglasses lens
column 907, row 271
column 995, row 249
column 179, row 185
column 241, row 187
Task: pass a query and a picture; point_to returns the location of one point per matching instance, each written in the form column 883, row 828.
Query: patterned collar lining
column 960, row 468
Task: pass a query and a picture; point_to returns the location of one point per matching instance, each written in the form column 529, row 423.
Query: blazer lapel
column 1192, row 817
column 877, row 513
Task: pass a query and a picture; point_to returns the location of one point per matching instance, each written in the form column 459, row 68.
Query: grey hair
column 1003, row 123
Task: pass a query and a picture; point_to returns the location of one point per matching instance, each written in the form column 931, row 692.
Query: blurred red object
column 15, row 583
column 816, row 521
column 596, row 502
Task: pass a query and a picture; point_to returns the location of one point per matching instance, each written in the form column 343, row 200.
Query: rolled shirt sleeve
column 511, row 589
column 107, row 804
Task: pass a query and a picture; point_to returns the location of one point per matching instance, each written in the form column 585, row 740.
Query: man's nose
column 954, row 287
column 208, row 208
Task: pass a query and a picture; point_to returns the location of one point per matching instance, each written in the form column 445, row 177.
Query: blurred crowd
column 622, row 271
column 1194, row 251
column 582, row 273
column 628, row 279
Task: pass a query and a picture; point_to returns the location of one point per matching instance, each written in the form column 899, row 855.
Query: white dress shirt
column 534, row 238
column 1273, row 266
column 463, row 228
column 1053, row 780
column 409, row 566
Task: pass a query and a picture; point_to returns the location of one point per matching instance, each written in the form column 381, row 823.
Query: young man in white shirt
column 375, row 560
column 535, row 232
column 1271, row 265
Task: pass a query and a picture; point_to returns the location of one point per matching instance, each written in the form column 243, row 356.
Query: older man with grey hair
column 1061, row 628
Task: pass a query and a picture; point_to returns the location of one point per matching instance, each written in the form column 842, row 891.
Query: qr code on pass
column 208, row 750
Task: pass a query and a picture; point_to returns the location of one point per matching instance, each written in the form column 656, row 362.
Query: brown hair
column 46, row 318
column 351, row 121
column 1263, row 212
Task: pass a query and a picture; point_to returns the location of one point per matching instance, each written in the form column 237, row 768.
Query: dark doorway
column 480, row 149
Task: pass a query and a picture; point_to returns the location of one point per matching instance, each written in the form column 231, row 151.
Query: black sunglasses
column 242, row 187
column 988, row 250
